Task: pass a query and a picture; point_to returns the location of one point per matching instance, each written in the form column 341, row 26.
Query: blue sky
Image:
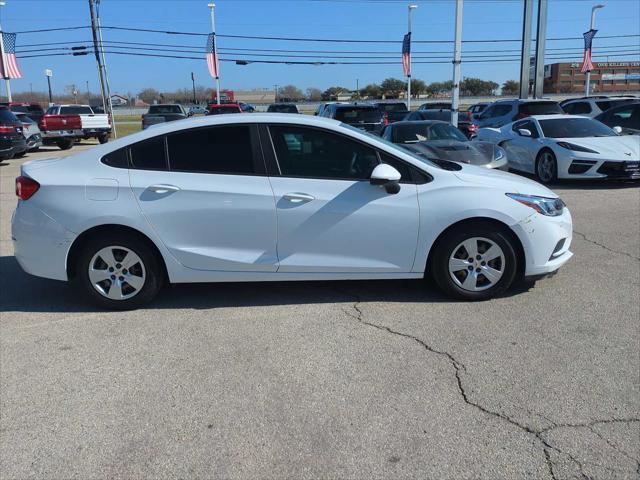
column 349, row 19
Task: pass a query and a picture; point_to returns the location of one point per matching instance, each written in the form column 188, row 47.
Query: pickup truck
column 164, row 113
column 60, row 130
column 94, row 125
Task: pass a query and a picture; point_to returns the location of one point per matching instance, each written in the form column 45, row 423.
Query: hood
column 473, row 153
column 624, row 147
column 504, row 181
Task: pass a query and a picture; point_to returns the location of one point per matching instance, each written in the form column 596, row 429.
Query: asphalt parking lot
column 375, row 379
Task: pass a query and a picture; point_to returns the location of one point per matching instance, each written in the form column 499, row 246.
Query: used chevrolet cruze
column 264, row 197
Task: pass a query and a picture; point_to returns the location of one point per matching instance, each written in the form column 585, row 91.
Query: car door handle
column 163, row 188
column 298, row 197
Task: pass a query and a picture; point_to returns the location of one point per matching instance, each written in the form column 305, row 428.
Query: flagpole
column 4, row 60
column 411, row 8
column 212, row 7
column 587, row 84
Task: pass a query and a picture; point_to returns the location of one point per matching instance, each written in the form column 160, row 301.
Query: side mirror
column 386, row 176
column 617, row 129
column 523, row 132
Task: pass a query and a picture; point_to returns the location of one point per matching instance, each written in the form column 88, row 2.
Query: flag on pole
column 587, row 65
column 8, row 63
column 406, row 54
column 212, row 57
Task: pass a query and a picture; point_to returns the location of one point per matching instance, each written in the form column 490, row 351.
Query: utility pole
column 276, row 97
column 3, row 59
column 526, row 49
column 94, row 31
column 88, row 93
column 212, row 7
column 49, row 73
column 411, row 8
column 587, row 84
column 541, row 39
column 457, row 60
column 193, row 84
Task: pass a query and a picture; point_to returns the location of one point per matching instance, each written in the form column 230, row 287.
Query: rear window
column 607, row 104
column 392, row 107
column 6, row 116
column 444, row 115
column 149, row 154
column 24, row 118
column 165, row 109
column 540, row 108
column 283, row 108
column 76, row 110
column 117, row 158
column 359, row 115
column 221, row 110
column 27, row 109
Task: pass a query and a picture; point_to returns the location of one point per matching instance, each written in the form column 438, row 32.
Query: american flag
column 587, row 65
column 8, row 63
column 406, row 54
column 212, row 57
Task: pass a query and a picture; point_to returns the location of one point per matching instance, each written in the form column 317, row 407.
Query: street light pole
column 49, row 73
column 4, row 66
column 212, row 7
column 587, row 84
column 457, row 59
column 411, row 8
column 193, row 84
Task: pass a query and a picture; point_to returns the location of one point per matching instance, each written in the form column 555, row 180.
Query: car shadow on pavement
column 20, row 292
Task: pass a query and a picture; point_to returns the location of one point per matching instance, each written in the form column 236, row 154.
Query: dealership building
column 605, row 77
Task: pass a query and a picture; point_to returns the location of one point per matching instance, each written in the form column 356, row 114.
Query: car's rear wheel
column 474, row 262
column 104, row 138
column 65, row 143
column 119, row 271
column 546, row 167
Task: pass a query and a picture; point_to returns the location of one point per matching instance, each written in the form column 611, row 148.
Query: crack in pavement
column 459, row 368
column 602, row 245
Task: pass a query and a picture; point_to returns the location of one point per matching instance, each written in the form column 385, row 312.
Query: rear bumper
column 40, row 243
column 95, row 132
column 55, row 134
column 13, row 145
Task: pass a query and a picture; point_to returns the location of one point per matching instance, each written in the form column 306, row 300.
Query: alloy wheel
column 546, row 167
column 117, row 273
column 477, row 264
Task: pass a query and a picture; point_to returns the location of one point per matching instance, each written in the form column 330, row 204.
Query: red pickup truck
column 60, row 130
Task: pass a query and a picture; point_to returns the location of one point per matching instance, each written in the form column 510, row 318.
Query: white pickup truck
column 94, row 125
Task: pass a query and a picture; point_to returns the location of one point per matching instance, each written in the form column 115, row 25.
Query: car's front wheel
column 546, row 167
column 119, row 271
column 474, row 262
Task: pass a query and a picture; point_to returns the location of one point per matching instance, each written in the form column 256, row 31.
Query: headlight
column 575, row 148
column 498, row 154
column 551, row 207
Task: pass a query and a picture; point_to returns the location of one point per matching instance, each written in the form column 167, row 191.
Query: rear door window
column 149, row 154
column 222, row 150
column 500, row 110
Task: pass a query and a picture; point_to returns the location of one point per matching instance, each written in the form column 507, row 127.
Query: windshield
column 392, row 145
column 359, row 115
column 392, row 107
column 420, row 132
column 76, row 110
column 165, row 109
column 575, row 128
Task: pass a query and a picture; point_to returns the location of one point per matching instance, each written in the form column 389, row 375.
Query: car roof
column 418, row 122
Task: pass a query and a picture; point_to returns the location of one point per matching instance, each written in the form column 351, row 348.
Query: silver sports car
column 442, row 141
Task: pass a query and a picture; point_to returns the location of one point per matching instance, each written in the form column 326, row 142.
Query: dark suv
column 12, row 141
column 362, row 116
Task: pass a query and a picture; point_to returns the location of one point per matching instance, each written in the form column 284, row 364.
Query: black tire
column 154, row 277
column 20, row 154
column 449, row 244
column 65, row 143
column 546, row 166
column 104, row 138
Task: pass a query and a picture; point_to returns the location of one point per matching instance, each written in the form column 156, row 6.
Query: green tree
column 476, row 86
column 437, row 88
column 149, row 95
column 510, row 87
column 332, row 92
column 290, row 93
column 393, row 87
column 371, row 91
column 418, row 87
column 314, row 94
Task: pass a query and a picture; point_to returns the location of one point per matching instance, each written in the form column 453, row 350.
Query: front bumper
column 40, row 243
column 540, row 236
column 598, row 168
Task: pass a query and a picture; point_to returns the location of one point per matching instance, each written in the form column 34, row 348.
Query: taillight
column 385, row 119
column 26, row 187
column 473, row 127
column 7, row 128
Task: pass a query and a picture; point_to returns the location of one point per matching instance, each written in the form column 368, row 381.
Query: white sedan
column 567, row 146
column 268, row 197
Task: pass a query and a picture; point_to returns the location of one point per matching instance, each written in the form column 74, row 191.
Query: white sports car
column 566, row 146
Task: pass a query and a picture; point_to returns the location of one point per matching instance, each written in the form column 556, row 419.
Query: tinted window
column 444, row 115
column 500, row 110
column 24, row 118
column 526, row 125
column 578, row 108
column 27, row 108
column 357, row 115
column 575, row 128
column 212, row 150
column 306, row 152
column 149, row 154
column 117, row 158
column 165, row 109
column 6, row 116
column 283, row 108
column 540, row 108
column 75, row 110
column 392, row 107
column 221, row 110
